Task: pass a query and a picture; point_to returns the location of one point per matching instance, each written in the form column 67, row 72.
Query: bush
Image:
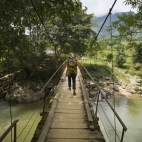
column 120, row 59
column 109, row 57
column 137, row 55
column 138, row 66
column 120, row 56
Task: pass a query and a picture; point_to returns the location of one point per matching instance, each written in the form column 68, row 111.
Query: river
column 28, row 115
column 130, row 111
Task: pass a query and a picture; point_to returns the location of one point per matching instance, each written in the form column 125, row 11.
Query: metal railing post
column 122, row 135
column 15, row 130
column 8, row 130
column 44, row 99
column 85, row 72
column 97, row 105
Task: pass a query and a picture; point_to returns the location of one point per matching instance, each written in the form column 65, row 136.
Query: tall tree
column 29, row 27
column 70, row 37
column 129, row 24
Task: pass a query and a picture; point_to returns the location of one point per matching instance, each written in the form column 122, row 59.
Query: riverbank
column 122, row 83
column 120, row 88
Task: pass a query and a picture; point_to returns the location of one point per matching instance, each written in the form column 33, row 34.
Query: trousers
column 72, row 80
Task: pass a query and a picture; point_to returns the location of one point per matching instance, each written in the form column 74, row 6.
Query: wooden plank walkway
column 67, row 120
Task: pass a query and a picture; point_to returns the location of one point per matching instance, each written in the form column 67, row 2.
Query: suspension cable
column 28, row 120
column 41, row 21
column 9, row 90
column 101, row 26
column 108, row 121
column 31, row 127
column 103, row 123
column 113, row 77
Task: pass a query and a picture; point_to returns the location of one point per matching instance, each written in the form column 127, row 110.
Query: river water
column 28, row 115
column 130, row 111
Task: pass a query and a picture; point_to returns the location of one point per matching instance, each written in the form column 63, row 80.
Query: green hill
column 104, row 33
column 100, row 21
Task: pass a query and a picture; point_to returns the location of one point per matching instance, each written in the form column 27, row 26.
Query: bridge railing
column 88, row 80
column 8, row 130
column 52, row 82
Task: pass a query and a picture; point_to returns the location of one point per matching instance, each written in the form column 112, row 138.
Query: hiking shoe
column 69, row 89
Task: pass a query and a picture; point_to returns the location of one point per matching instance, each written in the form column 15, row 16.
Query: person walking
column 72, row 73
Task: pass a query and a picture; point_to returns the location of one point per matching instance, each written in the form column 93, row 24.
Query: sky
column 101, row 7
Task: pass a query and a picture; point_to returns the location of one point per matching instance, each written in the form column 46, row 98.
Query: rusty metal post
column 97, row 105
column 15, row 130
column 44, row 100
column 122, row 135
column 8, row 130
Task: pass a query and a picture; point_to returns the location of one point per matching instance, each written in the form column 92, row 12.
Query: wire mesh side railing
column 52, row 82
column 89, row 82
column 45, row 92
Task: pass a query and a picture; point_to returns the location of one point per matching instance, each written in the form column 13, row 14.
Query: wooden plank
column 89, row 115
column 69, row 106
column 73, row 116
column 71, row 101
column 73, row 105
column 72, row 133
column 64, row 125
column 73, row 111
column 69, row 120
column 72, row 140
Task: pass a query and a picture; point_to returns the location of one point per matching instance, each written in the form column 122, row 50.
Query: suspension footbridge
column 71, row 117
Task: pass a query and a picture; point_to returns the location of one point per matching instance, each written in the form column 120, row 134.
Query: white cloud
column 101, row 7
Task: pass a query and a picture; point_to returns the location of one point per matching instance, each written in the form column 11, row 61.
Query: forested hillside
column 100, row 21
column 104, row 32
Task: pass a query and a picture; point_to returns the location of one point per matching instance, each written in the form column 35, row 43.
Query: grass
column 99, row 68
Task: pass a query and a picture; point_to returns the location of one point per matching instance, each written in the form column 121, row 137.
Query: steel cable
column 113, row 77
column 102, row 26
column 31, row 127
column 104, row 125
column 108, row 120
column 28, row 121
column 41, row 21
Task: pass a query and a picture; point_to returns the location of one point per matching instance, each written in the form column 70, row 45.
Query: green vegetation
column 29, row 28
column 97, row 69
column 37, row 27
column 123, row 63
column 120, row 58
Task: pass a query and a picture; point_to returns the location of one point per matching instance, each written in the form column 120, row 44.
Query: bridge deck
column 68, row 120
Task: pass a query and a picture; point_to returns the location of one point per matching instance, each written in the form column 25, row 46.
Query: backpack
column 72, row 67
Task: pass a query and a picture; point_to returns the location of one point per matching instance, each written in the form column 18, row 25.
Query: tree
column 24, row 36
column 71, row 37
column 129, row 25
column 134, row 3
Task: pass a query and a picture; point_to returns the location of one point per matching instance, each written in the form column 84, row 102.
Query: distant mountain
column 100, row 21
